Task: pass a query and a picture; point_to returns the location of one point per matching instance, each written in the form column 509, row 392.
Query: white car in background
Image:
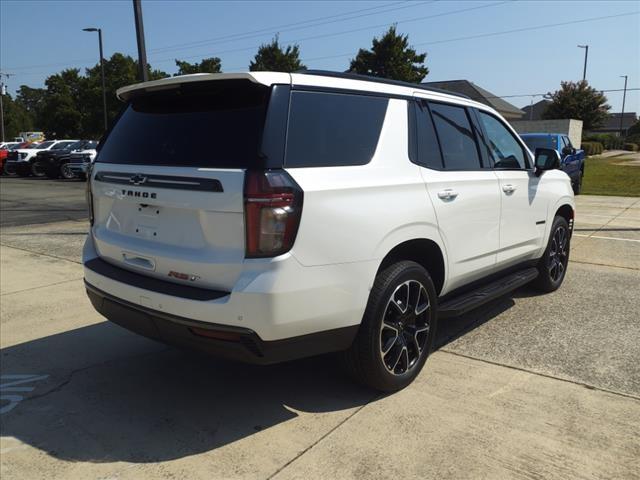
column 22, row 161
column 80, row 160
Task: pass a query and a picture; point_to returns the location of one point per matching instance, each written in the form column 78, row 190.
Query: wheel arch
column 566, row 211
column 423, row 251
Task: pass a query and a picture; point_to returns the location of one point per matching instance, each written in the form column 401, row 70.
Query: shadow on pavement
column 142, row 402
column 113, row 396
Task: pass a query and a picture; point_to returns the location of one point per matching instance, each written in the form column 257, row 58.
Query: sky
column 39, row 38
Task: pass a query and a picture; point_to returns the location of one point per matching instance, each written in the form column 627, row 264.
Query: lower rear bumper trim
column 242, row 344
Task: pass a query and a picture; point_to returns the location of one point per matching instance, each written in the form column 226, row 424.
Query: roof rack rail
column 367, row 78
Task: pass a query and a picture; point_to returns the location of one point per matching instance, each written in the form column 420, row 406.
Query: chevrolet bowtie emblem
column 137, row 179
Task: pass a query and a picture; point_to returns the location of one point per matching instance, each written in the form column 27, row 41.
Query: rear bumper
column 277, row 300
column 234, row 343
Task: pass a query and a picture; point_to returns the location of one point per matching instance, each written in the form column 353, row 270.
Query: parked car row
column 52, row 158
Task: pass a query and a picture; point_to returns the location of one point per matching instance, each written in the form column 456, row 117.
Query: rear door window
column 427, row 141
column 333, row 129
column 216, row 124
column 459, row 149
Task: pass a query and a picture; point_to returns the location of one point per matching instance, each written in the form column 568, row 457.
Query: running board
column 468, row 301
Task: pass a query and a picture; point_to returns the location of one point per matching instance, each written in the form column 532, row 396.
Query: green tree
column 119, row 71
column 391, row 57
column 16, row 118
column 272, row 57
column 207, row 65
column 62, row 109
column 580, row 101
column 32, row 100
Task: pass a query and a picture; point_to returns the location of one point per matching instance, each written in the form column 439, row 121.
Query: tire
column 65, row 172
column 577, row 186
column 36, row 169
column 9, row 171
column 392, row 346
column 552, row 267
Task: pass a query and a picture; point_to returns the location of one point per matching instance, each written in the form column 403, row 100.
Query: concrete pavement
column 529, row 386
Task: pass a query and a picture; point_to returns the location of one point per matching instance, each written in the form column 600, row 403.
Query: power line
column 546, row 93
column 281, row 28
column 255, row 47
column 343, row 32
column 490, row 34
column 437, row 42
column 241, row 34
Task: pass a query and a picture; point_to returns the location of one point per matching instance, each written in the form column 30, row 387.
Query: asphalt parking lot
column 529, row 386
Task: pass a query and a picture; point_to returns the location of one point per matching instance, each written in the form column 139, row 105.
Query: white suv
column 328, row 212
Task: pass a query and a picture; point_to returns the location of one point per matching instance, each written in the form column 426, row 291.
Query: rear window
column 214, row 124
column 333, row 129
column 540, row 142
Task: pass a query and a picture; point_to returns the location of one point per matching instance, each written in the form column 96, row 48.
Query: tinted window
column 43, row 145
column 172, row 127
column 428, row 148
column 567, row 142
column 458, row 144
column 330, row 129
column 63, row 145
column 537, row 142
column 503, row 146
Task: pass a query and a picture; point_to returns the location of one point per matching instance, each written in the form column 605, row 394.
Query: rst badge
column 183, row 276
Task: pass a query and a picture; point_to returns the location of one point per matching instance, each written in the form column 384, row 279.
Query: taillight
column 272, row 208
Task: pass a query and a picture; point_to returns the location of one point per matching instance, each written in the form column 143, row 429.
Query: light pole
column 586, row 54
column 3, row 90
column 624, row 97
column 104, row 89
column 142, row 50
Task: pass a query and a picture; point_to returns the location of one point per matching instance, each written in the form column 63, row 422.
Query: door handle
column 447, row 194
column 508, row 188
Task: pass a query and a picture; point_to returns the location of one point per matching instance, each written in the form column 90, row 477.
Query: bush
column 631, row 147
column 608, row 140
column 635, row 138
column 592, row 148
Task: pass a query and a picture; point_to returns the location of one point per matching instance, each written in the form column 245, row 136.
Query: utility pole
column 2, row 92
column 142, row 50
column 586, row 54
column 624, row 97
column 104, row 89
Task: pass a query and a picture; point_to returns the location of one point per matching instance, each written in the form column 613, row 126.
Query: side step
column 468, row 301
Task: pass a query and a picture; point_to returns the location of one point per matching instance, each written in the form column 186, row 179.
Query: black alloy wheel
column 552, row 267
column 558, row 256
column 405, row 327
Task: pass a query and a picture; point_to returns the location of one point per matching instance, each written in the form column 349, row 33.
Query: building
column 470, row 89
column 567, row 126
column 612, row 124
column 534, row 111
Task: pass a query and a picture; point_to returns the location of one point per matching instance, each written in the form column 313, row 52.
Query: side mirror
column 568, row 151
column 546, row 159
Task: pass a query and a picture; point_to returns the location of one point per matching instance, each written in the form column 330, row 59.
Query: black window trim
column 427, row 102
column 529, row 161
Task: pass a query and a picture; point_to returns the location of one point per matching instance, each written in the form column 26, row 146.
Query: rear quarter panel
column 359, row 213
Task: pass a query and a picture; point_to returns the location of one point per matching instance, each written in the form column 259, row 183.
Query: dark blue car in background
column 572, row 159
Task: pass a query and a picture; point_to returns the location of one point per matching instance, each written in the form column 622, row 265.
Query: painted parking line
column 11, row 385
column 607, row 238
